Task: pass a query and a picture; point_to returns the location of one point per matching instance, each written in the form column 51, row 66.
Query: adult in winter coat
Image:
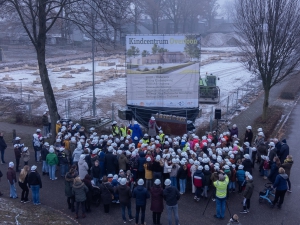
column 79, row 190
column 247, row 163
column 18, row 155
column 125, row 195
column 272, row 151
column 248, row 135
column 35, row 183
column 171, row 196
column 52, row 161
column 182, row 176
column 96, row 172
column 206, row 180
column 82, row 167
column 141, row 195
column 274, row 169
column 44, row 153
column 141, row 162
column 110, row 161
column 23, row 183
column 247, row 193
column 11, row 177
column 281, row 187
column 287, row 166
column 284, row 151
column 3, row 146
column 152, row 126
column 106, row 193
column 123, row 161
column 76, row 154
column 136, row 130
column 157, row 203
column 69, row 180
column 233, row 131
column 221, row 193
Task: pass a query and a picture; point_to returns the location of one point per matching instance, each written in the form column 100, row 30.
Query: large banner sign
column 163, row 70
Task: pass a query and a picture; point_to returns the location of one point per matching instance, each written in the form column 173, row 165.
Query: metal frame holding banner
column 163, row 70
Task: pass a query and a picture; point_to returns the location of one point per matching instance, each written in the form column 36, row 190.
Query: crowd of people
column 128, row 164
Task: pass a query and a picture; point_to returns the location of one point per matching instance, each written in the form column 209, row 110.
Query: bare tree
column 136, row 11
column 172, row 11
column 270, row 32
column 153, row 8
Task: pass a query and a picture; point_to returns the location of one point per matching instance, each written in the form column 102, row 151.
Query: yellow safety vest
column 162, row 138
column 221, row 187
column 123, row 131
column 116, row 130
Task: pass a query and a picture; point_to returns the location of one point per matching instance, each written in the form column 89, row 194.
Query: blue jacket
column 141, row 162
column 280, row 182
column 140, row 194
column 136, row 131
column 240, row 175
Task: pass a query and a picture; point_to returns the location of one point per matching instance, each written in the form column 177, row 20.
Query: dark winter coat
column 182, row 174
column 106, row 191
column 248, row 189
column 234, row 132
column 3, row 145
column 248, row 136
column 156, row 167
column 273, row 172
column 157, row 197
column 69, row 179
column 280, row 182
column 11, row 175
column 284, row 152
column 34, row 178
column 287, row 165
column 141, row 195
column 124, row 193
column 206, row 178
column 247, row 165
column 17, row 153
column 79, row 190
column 272, row 154
column 44, row 153
column 110, row 162
column 45, row 121
column 141, row 162
column 96, row 171
column 123, row 161
column 171, row 195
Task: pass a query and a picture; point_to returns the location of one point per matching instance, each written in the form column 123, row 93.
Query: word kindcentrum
column 133, row 41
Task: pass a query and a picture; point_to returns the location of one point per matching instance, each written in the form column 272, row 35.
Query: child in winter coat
column 206, row 180
column 232, row 179
column 148, row 173
column 247, row 193
column 287, row 165
column 266, row 167
column 25, row 155
column 198, row 182
column 115, row 184
column 240, row 177
column 174, row 172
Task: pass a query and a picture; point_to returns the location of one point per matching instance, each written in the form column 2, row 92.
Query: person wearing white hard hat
column 45, row 123
column 171, row 196
column 233, row 131
column 240, row 176
column 18, row 154
column 12, row 180
column 182, row 176
column 260, row 145
column 198, row 182
column 25, row 155
column 52, row 161
column 157, row 203
column 221, row 193
column 206, row 180
column 63, row 162
column 35, row 183
column 148, row 172
column 152, row 127
column 141, row 195
column 247, row 193
column 36, row 147
column 247, row 163
column 248, row 135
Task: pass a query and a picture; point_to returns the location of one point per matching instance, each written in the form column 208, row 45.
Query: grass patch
column 274, row 115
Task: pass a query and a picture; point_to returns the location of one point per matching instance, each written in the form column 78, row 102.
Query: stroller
column 266, row 194
column 96, row 195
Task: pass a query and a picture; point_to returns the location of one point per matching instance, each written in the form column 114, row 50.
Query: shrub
column 153, row 69
column 159, row 67
column 146, row 69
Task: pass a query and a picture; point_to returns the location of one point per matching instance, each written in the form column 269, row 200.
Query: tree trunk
column 265, row 105
column 41, row 57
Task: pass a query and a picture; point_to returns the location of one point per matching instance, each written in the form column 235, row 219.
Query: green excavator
column 209, row 92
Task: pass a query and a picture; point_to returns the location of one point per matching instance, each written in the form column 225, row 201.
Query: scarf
column 152, row 122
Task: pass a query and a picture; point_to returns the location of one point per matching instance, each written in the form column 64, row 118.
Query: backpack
column 197, row 181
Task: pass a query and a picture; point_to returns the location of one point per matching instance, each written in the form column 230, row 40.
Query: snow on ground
column 220, row 49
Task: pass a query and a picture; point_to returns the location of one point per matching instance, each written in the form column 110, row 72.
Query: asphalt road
column 190, row 212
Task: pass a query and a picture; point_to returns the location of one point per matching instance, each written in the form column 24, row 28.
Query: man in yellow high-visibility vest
column 221, row 193
column 162, row 137
column 123, row 130
column 115, row 129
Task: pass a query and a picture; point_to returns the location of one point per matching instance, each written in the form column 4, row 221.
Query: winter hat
column 167, row 182
column 11, row 165
column 157, row 182
column 140, row 182
column 241, row 167
column 33, row 168
column 82, row 156
column 206, row 167
column 123, row 181
column 247, row 156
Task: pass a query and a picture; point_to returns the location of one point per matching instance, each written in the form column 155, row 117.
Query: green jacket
column 221, row 187
column 248, row 189
column 52, row 159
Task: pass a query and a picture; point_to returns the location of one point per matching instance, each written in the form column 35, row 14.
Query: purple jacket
column 157, row 204
column 234, row 131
